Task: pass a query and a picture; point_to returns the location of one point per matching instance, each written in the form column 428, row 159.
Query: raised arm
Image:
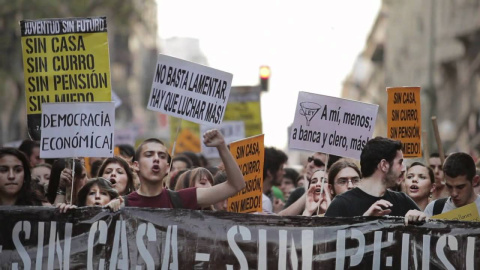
column 64, row 187
column 235, row 181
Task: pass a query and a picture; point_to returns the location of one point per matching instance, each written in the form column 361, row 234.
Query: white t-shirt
column 448, row 206
column 267, row 205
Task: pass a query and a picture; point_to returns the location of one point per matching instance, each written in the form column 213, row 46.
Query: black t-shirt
column 294, row 196
column 355, row 202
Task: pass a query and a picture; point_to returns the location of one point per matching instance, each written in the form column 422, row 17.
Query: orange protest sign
column 404, row 119
column 187, row 141
column 249, row 154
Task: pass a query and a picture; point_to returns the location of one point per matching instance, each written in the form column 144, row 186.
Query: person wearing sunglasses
column 315, row 162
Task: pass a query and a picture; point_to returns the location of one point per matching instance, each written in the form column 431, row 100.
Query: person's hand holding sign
column 65, row 178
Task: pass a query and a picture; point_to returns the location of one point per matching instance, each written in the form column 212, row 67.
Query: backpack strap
column 125, row 200
column 175, row 199
column 438, row 206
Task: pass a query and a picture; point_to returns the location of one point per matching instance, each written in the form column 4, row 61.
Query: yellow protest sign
column 249, row 154
column 243, row 105
column 248, row 112
column 404, row 119
column 468, row 212
column 64, row 60
column 178, row 125
column 187, row 141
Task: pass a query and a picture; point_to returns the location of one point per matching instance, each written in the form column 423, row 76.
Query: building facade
column 432, row 44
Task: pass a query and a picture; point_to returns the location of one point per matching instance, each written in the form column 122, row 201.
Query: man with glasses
column 381, row 164
column 343, row 176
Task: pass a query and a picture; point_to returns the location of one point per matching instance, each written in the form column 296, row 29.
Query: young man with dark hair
column 273, row 171
column 152, row 164
column 32, row 150
column 435, row 163
column 460, row 178
column 181, row 162
column 381, row 163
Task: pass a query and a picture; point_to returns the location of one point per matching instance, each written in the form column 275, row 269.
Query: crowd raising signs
column 249, row 154
column 332, row 125
column 189, row 91
column 404, row 119
column 64, row 60
column 77, row 130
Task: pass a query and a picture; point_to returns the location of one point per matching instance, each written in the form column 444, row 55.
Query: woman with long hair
column 118, row 172
column 419, row 184
column 318, row 194
column 96, row 192
column 15, row 179
column 198, row 177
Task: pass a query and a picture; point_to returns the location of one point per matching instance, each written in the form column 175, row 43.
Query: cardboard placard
column 249, row 154
column 189, row 91
column 332, row 125
column 64, row 60
column 404, row 119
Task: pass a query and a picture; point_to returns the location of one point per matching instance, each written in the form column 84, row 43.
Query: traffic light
column 264, row 77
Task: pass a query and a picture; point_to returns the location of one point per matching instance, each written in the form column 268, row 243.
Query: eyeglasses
column 344, row 181
column 317, row 162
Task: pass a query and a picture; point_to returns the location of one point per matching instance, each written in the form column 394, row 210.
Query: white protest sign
column 116, row 99
column 189, row 91
column 124, row 136
column 77, row 129
column 231, row 130
column 14, row 144
column 332, row 125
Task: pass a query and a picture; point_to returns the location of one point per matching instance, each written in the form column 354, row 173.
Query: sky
column 309, row 45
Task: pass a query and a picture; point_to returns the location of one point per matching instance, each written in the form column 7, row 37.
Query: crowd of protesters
column 379, row 185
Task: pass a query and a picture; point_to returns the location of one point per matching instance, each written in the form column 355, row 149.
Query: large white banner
column 332, row 125
column 77, row 129
column 189, row 91
column 231, row 130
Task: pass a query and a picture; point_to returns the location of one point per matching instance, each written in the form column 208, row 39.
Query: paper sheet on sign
column 468, row 212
